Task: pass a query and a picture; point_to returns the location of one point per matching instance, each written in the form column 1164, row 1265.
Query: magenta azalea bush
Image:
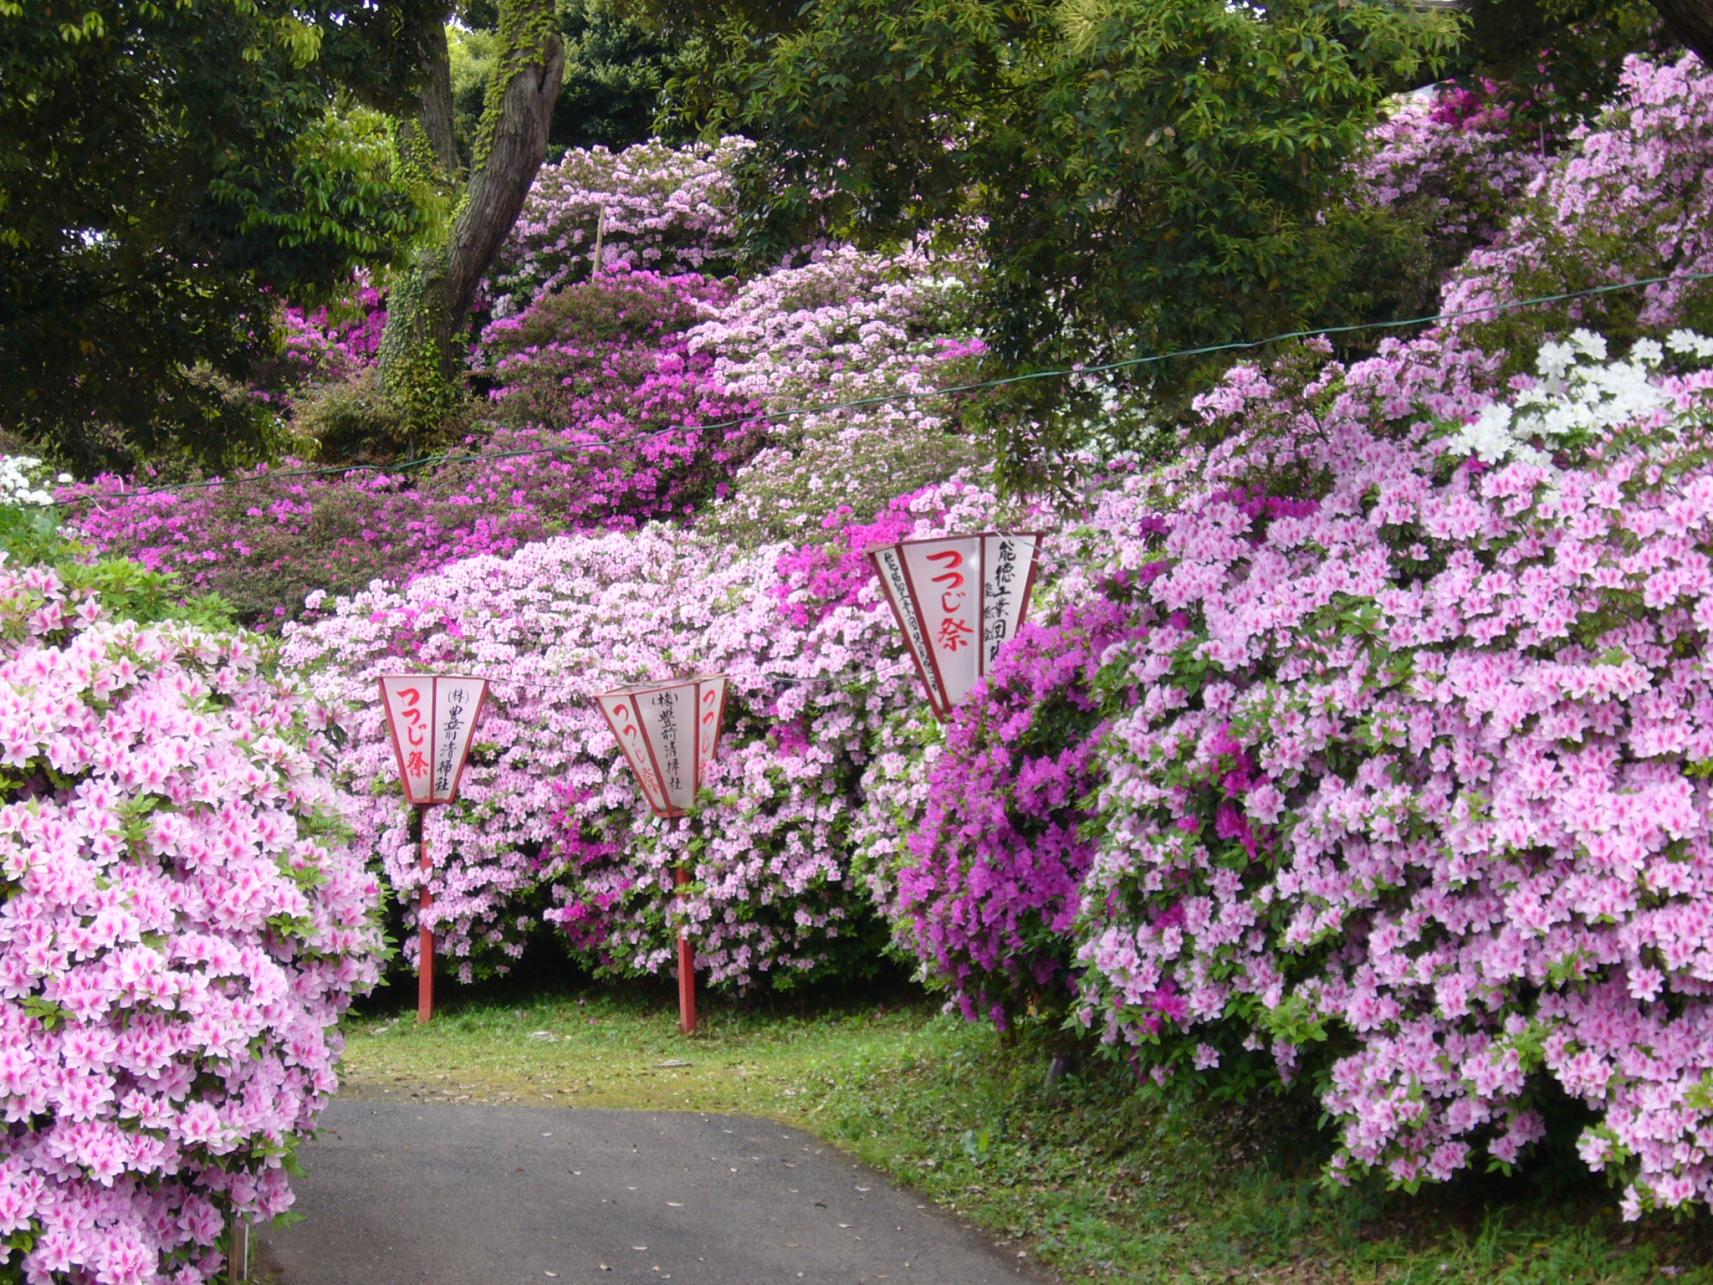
column 974, row 848
column 550, row 822
column 328, row 344
column 606, row 376
column 181, row 925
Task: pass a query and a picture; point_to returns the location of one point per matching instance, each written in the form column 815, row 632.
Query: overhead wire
column 763, row 417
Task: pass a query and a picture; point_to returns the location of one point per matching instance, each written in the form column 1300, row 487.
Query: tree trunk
column 1691, row 22
column 421, row 357
column 435, row 115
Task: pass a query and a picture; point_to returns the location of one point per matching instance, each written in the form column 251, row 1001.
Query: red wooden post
column 686, row 970
column 425, row 944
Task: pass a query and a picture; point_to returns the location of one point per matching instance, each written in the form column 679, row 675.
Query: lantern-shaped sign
column 669, row 732
column 432, row 719
column 958, row 599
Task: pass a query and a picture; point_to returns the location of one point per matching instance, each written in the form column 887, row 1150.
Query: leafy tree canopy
column 168, row 169
column 616, row 65
column 1141, row 174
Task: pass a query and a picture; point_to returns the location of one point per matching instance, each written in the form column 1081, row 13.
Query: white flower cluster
column 1578, row 396
column 24, row 481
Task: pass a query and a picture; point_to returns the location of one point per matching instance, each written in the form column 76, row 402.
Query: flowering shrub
column 652, row 206
column 180, row 928
column 1630, row 200
column 985, row 889
column 549, row 818
column 26, row 482
column 846, row 326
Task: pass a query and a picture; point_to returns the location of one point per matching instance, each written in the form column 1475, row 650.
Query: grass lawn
column 1075, row 1174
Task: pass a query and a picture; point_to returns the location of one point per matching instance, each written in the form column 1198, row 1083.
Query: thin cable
column 883, row 399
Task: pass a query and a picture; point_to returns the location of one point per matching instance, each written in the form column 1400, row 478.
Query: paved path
column 400, row 1194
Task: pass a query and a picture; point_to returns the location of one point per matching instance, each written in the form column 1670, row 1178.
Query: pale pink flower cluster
column 1415, row 777
column 651, row 206
column 882, row 330
column 1632, row 199
column 550, row 813
column 182, row 925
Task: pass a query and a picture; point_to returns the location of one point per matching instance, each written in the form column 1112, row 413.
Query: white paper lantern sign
column 669, row 733
column 432, row 720
column 958, row 599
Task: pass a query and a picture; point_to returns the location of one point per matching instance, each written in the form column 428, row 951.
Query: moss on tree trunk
column 421, row 355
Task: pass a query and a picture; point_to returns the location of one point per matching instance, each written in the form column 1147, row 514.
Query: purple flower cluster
column 986, row 888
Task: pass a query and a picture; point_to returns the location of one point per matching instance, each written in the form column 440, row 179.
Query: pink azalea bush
column 181, row 926
column 332, row 344
column 1411, row 791
column 550, row 821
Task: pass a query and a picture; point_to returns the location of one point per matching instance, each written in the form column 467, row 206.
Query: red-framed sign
column 958, row 599
column 432, row 721
column 669, row 732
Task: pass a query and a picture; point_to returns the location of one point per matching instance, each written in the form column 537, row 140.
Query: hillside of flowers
column 640, row 390
column 1360, row 749
column 183, row 924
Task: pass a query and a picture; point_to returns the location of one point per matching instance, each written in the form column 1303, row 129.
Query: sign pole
column 669, row 733
column 238, row 1261
column 686, row 966
column 425, row 943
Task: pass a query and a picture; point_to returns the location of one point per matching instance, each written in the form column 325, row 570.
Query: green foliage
column 353, row 196
column 353, row 419
column 615, row 69
column 417, row 367
column 166, row 173
column 1148, row 174
column 32, row 536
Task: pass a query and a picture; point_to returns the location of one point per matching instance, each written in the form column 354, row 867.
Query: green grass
column 1078, row 1174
